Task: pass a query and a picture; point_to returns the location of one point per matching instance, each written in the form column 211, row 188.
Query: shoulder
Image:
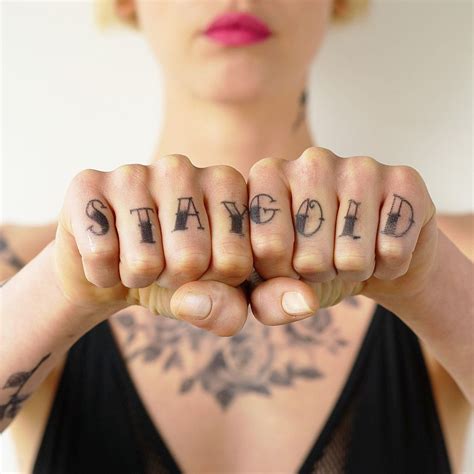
column 20, row 243
column 459, row 228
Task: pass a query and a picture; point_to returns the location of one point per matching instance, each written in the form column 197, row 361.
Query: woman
column 148, row 267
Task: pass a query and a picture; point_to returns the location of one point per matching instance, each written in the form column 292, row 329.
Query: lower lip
column 236, row 37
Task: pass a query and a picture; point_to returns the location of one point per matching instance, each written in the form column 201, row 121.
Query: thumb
column 283, row 300
column 211, row 305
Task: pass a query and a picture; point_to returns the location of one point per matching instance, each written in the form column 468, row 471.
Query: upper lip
column 238, row 20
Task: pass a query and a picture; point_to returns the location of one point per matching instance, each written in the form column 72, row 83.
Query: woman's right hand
column 168, row 236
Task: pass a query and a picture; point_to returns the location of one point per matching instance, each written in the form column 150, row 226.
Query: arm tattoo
column 350, row 220
column 145, row 224
column 8, row 256
column 184, row 212
column 256, row 208
column 17, row 380
column 258, row 360
column 400, row 208
column 310, row 214
column 236, row 217
column 93, row 212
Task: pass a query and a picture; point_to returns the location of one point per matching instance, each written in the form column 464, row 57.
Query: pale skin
column 252, row 192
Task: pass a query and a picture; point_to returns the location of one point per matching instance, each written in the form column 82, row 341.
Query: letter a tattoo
column 183, row 213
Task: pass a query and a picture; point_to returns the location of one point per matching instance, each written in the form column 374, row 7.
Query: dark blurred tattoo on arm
column 400, row 217
column 7, row 255
column 258, row 212
column 16, row 400
column 350, row 219
column 186, row 209
column 309, row 218
column 145, row 224
column 93, row 212
column 236, row 217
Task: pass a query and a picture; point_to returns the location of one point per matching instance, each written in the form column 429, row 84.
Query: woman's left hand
column 325, row 227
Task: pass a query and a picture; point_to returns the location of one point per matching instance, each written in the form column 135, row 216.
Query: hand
column 183, row 227
column 325, row 227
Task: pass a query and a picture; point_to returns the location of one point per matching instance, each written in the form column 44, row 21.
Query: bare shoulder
column 459, row 228
column 20, row 243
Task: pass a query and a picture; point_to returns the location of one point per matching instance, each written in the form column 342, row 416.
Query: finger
column 210, row 305
column 314, row 205
column 402, row 216
column 271, row 225
column 92, row 223
column 283, row 300
column 183, row 220
column 359, row 193
column 136, row 220
column 225, row 192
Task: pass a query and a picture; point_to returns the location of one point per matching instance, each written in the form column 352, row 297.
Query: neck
column 236, row 134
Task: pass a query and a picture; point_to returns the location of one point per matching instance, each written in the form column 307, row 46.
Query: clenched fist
column 180, row 240
column 342, row 226
column 139, row 233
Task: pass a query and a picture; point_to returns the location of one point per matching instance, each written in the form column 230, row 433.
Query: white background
column 395, row 85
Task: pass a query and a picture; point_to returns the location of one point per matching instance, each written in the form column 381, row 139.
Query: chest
column 254, row 402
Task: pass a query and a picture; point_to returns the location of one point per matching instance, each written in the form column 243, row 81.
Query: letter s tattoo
column 93, row 213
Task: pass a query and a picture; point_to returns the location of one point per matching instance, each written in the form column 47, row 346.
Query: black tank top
column 384, row 421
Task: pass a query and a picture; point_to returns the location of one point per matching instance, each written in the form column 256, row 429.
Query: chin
column 234, row 85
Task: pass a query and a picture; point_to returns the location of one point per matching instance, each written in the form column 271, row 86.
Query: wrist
column 80, row 316
column 415, row 298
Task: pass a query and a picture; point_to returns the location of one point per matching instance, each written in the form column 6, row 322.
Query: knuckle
column 317, row 154
column 174, row 163
column 359, row 171
column 225, row 176
column 392, row 253
column 271, row 248
column 86, row 178
column 406, row 174
column 189, row 265
column 143, row 267
column 129, row 175
column 312, row 262
column 266, row 165
column 104, row 258
column 352, row 261
column 232, row 265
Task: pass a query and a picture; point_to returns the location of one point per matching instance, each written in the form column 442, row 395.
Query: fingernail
column 294, row 303
column 195, row 306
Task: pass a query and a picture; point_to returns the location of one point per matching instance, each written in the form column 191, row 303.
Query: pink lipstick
column 237, row 29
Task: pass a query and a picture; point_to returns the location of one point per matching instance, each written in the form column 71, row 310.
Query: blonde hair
column 106, row 15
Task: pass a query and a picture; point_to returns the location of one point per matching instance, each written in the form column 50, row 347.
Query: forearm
column 38, row 325
column 442, row 314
